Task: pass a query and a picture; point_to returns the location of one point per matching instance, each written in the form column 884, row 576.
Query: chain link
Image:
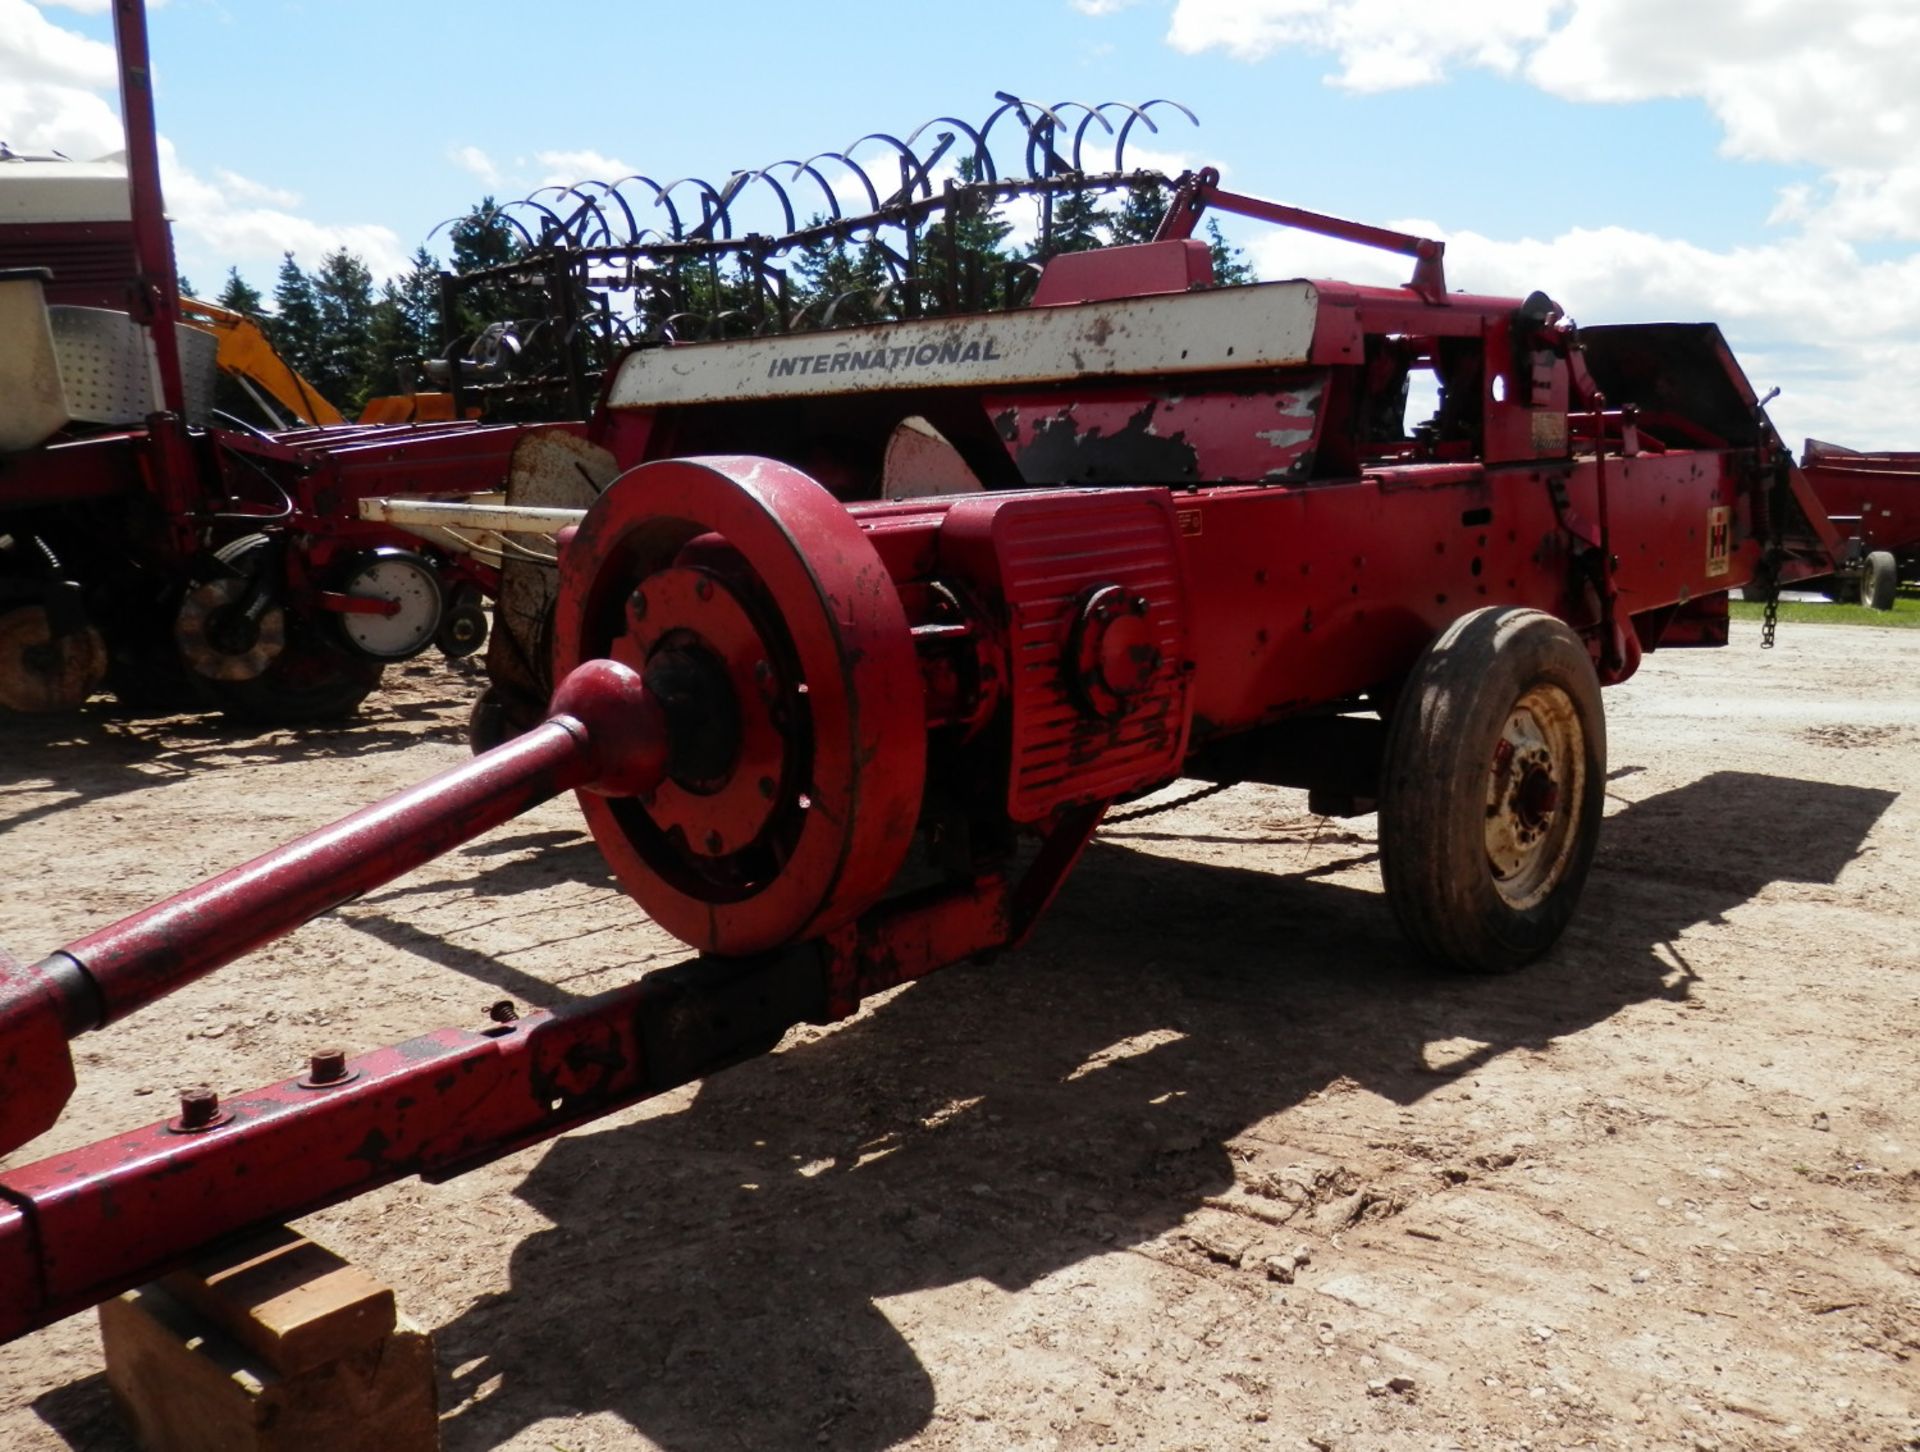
column 1115, row 818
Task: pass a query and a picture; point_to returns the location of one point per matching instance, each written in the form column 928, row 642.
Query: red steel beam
column 607, row 735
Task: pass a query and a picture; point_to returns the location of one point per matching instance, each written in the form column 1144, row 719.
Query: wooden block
column 186, row 1380
column 293, row 1303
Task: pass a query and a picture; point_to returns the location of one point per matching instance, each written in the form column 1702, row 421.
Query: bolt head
column 199, row 1106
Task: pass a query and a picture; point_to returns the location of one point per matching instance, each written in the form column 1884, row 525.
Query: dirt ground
column 1212, row 1164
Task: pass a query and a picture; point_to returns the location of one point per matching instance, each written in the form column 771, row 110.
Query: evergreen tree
column 975, row 240
column 294, row 329
column 405, row 325
column 827, row 273
column 1078, row 224
column 1139, row 216
column 1230, row 265
column 238, row 296
column 481, row 240
column 343, row 360
column 184, row 287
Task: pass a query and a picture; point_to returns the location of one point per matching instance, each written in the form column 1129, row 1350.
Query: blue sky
column 1756, row 162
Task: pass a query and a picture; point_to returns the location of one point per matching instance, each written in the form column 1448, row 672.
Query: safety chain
column 1186, row 801
column 1770, row 621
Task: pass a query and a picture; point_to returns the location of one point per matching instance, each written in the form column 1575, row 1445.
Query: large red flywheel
column 764, row 623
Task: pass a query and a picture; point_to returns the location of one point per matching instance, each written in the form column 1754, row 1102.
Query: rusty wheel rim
column 1535, row 790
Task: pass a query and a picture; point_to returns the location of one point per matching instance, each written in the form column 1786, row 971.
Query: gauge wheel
column 410, row 588
column 1492, row 790
column 310, row 679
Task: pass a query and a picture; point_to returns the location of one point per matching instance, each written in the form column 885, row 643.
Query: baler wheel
column 310, row 679
column 759, row 613
column 1493, row 789
column 1879, row 581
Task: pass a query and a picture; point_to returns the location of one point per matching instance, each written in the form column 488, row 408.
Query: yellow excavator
column 248, row 358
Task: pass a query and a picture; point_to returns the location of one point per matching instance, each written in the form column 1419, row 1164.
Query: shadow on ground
column 712, row 1277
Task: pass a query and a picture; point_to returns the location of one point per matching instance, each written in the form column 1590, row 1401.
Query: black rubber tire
column 499, row 714
column 1454, row 710
column 1879, row 581
column 312, row 679
column 463, row 625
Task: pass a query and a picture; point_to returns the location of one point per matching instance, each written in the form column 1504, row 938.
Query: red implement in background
column 1875, row 498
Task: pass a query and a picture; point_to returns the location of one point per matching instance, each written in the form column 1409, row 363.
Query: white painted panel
column 1264, row 326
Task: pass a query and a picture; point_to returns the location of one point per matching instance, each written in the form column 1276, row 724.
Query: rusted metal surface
column 1268, row 325
column 825, row 682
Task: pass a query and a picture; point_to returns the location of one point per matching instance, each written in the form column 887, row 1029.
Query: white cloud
column 1775, row 301
column 1802, row 306
column 1837, row 94
column 247, row 189
column 473, row 159
column 564, row 168
column 1095, row 7
column 1380, row 44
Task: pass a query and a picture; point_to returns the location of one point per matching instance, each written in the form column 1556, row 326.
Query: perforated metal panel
column 106, row 367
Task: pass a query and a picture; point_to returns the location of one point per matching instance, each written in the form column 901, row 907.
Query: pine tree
column 344, row 363
column 1139, row 216
column 1078, row 224
column 238, row 296
column 405, row 325
column 481, row 240
column 1230, row 265
column 294, row 328
column 975, row 239
column 828, row 274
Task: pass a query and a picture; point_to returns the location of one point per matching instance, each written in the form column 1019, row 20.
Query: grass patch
column 1904, row 615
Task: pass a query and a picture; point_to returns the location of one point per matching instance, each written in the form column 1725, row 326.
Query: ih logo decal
column 1719, row 540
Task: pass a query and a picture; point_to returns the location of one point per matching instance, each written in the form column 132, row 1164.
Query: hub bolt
column 199, row 1107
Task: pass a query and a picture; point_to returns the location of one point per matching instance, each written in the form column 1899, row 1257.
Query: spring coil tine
column 712, row 209
column 568, row 227
column 1040, row 130
column 873, row 194
column 913, row 170
column 611, row 191
column 1050, row 133
column 765, row 175
column 660, row 199
column 1094, row 113
column 1140, row 113
column 1008, row 102
column 588, row 206
column 804, row 168
column 501, row 214
column 982, row 155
